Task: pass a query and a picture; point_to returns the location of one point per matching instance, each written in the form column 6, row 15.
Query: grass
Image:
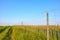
column 29, row 32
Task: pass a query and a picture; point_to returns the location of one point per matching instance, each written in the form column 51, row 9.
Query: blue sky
column 29, row 11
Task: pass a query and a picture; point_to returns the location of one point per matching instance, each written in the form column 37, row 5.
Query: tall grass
column 29, row 33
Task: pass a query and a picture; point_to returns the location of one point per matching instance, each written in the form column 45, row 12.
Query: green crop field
column 29, row 32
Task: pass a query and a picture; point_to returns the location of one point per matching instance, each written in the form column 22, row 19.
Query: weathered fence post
column 47, row 17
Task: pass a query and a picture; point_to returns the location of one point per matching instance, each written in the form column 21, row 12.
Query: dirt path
column 13, row 38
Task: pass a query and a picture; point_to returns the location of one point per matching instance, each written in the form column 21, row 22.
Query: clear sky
column 29, row 11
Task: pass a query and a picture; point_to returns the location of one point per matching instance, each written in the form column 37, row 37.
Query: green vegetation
column 29, row 33
column 5, row 33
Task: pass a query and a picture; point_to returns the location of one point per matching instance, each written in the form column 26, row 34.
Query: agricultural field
column 26, row 32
